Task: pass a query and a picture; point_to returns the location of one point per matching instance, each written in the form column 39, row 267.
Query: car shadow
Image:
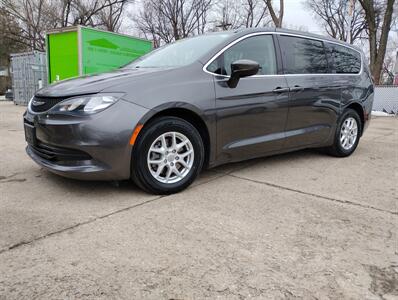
column 128, row 186
column 272, row 159
column 88, row 185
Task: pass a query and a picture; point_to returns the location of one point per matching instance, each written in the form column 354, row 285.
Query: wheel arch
column 188, row 113
column 360, row 111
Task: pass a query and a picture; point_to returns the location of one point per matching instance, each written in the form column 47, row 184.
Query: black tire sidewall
column 151, row 132
column 349, row 113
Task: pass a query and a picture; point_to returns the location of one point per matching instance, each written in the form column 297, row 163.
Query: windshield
column 180, row 53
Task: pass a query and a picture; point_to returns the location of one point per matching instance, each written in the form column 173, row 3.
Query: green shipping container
column 76, row 51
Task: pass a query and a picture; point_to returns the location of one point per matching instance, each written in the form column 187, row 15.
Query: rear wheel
column 167, row 156
column 347, row 134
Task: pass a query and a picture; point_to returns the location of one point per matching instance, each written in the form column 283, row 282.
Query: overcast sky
column 296, row 15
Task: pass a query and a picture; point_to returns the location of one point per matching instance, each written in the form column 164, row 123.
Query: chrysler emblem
column 37, row 103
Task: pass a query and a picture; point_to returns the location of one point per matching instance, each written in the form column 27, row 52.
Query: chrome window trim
column 273, row 75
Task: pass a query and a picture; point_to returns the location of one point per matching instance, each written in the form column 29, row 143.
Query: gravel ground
column 299, row 225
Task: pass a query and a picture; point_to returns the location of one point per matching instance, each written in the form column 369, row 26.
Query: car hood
column 96, row 83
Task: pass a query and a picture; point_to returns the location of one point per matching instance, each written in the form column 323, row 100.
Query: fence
column 28, row 74
column 386, row 99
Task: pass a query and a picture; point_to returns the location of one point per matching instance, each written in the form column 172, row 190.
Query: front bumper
column 92, row 147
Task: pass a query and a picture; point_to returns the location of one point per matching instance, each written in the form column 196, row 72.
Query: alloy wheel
column 170, row 157
column 348, row 133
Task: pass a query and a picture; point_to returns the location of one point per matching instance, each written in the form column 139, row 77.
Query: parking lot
column 299, row 225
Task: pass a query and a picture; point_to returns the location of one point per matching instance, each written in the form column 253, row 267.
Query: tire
column 179, row 163
column 340, row 147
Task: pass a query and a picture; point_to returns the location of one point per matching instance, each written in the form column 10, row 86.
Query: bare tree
column 277, row 19
column 32, row 17
column 342, row 19
column 110, row 17
column 255, row 13
column 153, row 26
column 8, row 44
column 35, row 17
column 387, row 76
column 378, row 17
column 169, row 20
column 227, row 15
column 93, row 12
column 230, row 14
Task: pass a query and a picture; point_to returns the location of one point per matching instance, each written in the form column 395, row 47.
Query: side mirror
column 242, row 68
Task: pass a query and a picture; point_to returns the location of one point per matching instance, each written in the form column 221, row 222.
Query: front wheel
column 167, row 156
column 347, row 134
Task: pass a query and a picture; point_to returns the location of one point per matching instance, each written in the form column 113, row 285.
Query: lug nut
column 171, row 164
column 177, row 158
column 165, row 161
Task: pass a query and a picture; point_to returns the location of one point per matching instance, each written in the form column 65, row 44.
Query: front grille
column 52, row 153
column 42, row 104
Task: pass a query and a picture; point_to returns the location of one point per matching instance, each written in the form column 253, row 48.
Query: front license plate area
column 30, row 134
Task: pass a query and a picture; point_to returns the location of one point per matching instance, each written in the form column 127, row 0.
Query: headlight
column 86, row 105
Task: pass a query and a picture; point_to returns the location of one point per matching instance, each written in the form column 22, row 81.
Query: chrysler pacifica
column 201, row 102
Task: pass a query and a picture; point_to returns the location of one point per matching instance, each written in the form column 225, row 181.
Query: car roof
column 245, row 31
column 241, row 32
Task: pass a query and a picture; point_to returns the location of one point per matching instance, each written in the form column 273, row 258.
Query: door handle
column 280, row 90
column 296, row 88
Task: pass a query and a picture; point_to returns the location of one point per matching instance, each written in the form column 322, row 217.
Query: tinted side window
column 344, row 60
column 303, row 56
column 257, row 48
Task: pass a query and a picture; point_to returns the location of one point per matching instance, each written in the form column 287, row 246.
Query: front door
column 251, row 118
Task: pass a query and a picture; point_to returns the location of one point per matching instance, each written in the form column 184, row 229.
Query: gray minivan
column 201, row 102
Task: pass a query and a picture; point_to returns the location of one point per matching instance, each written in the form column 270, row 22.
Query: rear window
column 344, row 60
column 303, row 56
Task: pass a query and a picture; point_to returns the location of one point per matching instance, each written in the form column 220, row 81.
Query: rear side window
column 303, row 56
column 257, row 48
column 344, row 60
